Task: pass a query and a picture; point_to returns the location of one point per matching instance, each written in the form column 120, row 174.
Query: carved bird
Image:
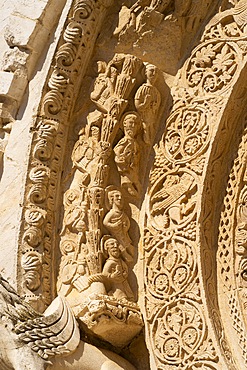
column 173, row 189
column 238, row 13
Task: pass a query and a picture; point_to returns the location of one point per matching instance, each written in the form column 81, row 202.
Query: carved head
column 95, row 132
column 151, row 73
column 115, row 197
column 111, row 247
column 131, row 124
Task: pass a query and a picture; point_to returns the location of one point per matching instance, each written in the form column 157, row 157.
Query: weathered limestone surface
column 17, row 152
column 123, row 184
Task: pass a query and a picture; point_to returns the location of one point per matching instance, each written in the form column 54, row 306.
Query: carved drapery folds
column 49, row 132
column 173, row 281
column 97, row 249
column 104, row 186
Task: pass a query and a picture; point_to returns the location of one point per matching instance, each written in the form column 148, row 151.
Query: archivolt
column 183, row 207
column 219, row 222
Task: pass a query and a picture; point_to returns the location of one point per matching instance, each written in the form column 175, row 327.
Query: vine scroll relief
column 96, row 241
column 176, row 311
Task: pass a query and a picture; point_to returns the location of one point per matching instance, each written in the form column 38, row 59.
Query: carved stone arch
column 177, row 242
column 219, row 224
column 36, row 265
column 169, row 229
column 223, row 179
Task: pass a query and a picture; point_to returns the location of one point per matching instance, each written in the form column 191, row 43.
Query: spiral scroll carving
column 49, row 133
column 172, row 231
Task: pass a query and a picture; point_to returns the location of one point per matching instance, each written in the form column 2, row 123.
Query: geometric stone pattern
column 171, row 241
column 133, row 222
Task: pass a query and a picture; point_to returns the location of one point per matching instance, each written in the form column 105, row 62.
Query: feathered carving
column 28, row 338
column 238, row 13
column 55, row 332
column 12, row 305
column 168, row 194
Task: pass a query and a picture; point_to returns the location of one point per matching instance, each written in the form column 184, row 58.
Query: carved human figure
column 146, row 14
column 73, row 267
column 147, row 102
column 73, row 237
column 117, row 222
column 114, row 83
column 145, row 6
column 127, row 155
column 89, row 153
column 75, row 210
column 104, row 86
column 86, row 148
column 115, row 271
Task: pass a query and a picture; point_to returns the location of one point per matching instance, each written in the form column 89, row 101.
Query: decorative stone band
column 180, row 332
column 74, row 50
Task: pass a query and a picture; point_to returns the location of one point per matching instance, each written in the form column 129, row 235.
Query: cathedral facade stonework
column 123, row 181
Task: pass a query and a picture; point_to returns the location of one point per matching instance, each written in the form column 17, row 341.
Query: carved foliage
column 179, row 331
column 171, row 240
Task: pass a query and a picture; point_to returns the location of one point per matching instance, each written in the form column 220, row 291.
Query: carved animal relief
column 134, row 220
column 172, row 240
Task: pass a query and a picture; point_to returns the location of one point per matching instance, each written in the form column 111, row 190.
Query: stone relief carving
column 172, row 199
column 91, row 263
column 105, row 183
column 93, row 201
column 127, row 154
column 117, row 222
column 115, row 270
column 35, row 341
column 50, row 128
column 20, row 52
column 151, row 11
column 171, row 234
column 147, row 102
column 231, row 253
column 170, row 23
